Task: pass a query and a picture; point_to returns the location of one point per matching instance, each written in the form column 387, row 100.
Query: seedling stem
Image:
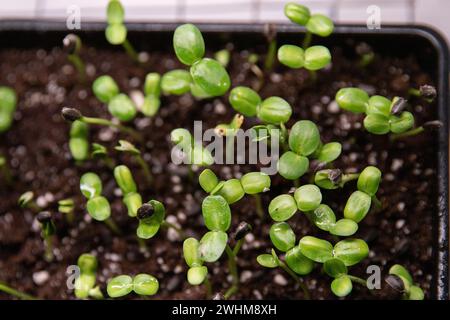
column 16, row 293
column 259, row 207
column 105, row 122
column 113, row 226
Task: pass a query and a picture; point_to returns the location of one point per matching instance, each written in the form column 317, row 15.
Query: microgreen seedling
column 72, row 46
column 72, row 114
column 317, row 24
column 119, row 104
column 151, row 217
column 8, row 103
column 131, row 198
column 426, row 91
column 67, row 206
column 382, row 114
column 116, row 31
column 252, row 183
column 207, row 74
column 79, row 140
column 333, row 178
column 401, row 280
column 85, row 283
column 217, row 218
column 48, row 229
column 152, row 90
column 97, row 206
column 128, row 147
column 142, row 284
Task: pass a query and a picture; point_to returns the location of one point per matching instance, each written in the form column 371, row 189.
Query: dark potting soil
column 37, row 152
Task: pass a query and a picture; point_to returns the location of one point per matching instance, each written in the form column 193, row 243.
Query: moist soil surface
column 37, row 151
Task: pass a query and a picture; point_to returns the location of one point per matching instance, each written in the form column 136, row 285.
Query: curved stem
column 108, row 123
column 358, row 280
column 129, row 49
column 406, row 134
column 377, row 202
column 79, row 65
column 259, row 207
column 145, row 168
column 16, row 293
column 346, row 177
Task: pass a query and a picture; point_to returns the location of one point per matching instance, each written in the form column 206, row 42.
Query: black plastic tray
column 428, row 45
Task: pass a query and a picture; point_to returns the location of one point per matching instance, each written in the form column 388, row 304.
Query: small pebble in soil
column 333, row 107
column 280, row 280
column 401, row 206
column 257, row 294
column 399, row 223
column 40, row 277
column 246, row 275
column 396, row 164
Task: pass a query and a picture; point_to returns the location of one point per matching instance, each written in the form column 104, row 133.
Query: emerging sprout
column 79, row 140
column 8, row 102
column 333, row 178
column 142, row 284
column 66, row 206
column 26, row 200
column 401, row 280
column 72, row 114
column 131, row 198
column 426, row 91
column 85, row 283
column 100, row 152
column 97, row 206
column 48, row 229
column 125, row 146
column 72, row 46
column 116, row 32
column 151, row 218
column 207, row 74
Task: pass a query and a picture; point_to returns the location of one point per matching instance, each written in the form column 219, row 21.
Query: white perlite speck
column 40, row 277
column 280, row 280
